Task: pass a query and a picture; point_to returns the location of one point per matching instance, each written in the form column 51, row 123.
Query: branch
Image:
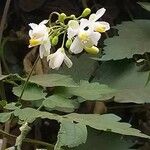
column 12, row 137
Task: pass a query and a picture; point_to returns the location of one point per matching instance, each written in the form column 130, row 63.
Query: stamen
column 100, row 28
column 34, row 42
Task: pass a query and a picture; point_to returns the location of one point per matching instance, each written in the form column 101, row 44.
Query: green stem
column 50, row 17
column 63, row 42
column 26, row 82
column 40, row 107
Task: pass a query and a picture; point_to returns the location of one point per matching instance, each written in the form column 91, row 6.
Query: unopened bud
column 68, row 43
column 92, row 50
column 86, row 12
column 62, row 17
column 55, row 40
column 72, row 16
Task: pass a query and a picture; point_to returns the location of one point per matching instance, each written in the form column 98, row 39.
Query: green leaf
column 32, row 92
column 4, row 117
column 145, row 5
column 127, row 78
column 104, row 141
column 56, row 102
column 11, row 106
column 82, row 68
column 71, row 134
column 106, row 122
column 3, row 103
column 50, row 80
column 29, row 115
column 148, row 79
column 12, row 76
column 88, row 91
column 133, row 39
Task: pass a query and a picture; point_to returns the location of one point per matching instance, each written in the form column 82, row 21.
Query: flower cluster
column 82, row 34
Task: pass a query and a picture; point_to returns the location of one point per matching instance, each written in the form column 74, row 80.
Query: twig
column 7, row 129
column 2, row 25
column 3, row 21
column 26, row 140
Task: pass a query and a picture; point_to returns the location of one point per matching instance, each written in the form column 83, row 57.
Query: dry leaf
column 41, row 67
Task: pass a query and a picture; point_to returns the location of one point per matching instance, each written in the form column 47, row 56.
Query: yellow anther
column 83, row 36
column 34, row 42
column 92, row 50
column 100, row 28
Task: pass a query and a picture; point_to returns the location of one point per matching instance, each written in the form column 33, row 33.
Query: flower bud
column 62, row 17
column 92, row 50
column 55, row 40
column 68, row 43
column 86, row 12
column 72, row 16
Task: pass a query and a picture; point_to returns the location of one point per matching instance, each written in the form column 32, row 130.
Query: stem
column 26, row 82
column 4, row 18
column 25, row 129
column 11, row 137
column 7, row 129
column 63, row 42
column 40, row 107
column 106, row 34
column 2, row 55
column 50, row 17
column 2, row 91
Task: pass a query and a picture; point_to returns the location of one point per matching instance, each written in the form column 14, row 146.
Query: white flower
column 98, row 26
column 83, row 37
column 56, row 59
column 39, row 35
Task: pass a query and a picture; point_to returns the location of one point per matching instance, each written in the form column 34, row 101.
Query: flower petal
column 76, row 47
column 71, row 33
column 100, row 13
column 84, row 23
column 73, row 24
column 47, row 46
column 33, row 25
column 56, row 60
column 41, row 50
column 95, row 36
column 67, row 61
column 43, row 22
column 30, row 33
column 92, row 18
column 104, row 24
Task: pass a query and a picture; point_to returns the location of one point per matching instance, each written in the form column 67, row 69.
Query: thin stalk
column 50, row 17
column 63, row 42
column 30, row 74
column 3, row 57
column 26, row 140
column 2, row 91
